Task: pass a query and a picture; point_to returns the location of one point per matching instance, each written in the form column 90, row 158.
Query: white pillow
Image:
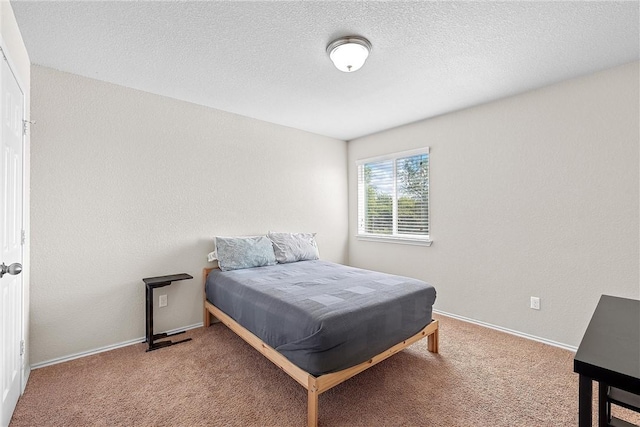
column 292, row 247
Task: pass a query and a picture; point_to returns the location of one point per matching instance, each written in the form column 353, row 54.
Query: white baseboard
column 25, row 377
column 106, row 348
column 508, row 331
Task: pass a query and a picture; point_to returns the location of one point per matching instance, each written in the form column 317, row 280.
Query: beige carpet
column 480, row 378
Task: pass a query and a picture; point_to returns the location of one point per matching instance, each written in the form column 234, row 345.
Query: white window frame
column 394, row 237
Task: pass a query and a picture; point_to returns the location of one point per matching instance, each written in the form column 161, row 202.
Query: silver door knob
column 13, row 269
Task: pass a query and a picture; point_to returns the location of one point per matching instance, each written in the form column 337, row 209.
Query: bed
column 321, row 322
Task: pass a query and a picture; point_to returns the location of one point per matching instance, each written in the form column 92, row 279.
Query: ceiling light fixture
column 349, row 53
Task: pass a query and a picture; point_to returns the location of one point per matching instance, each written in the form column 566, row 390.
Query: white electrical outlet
column 162, row 301
column 535, row 303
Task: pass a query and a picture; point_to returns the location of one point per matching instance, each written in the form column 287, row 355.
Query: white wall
column 534, row 195
column 126, row 185
column 18, row 58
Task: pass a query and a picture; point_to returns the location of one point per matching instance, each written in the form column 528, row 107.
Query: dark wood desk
column 609, row 354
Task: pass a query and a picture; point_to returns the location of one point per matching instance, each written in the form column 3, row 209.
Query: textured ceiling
column 267, row 60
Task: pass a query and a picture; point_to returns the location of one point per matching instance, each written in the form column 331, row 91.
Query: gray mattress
column 323, row 317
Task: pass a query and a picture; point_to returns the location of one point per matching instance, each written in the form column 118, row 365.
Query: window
column 393, row 197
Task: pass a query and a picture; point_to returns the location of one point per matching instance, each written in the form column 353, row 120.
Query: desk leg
column 603, row 413
column 584, row 401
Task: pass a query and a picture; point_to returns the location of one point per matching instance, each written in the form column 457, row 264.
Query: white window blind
column 393, row 196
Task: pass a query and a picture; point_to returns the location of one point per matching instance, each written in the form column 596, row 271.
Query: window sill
column 398, row 240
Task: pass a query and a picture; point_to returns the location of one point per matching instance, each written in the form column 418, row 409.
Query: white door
column 11, row 114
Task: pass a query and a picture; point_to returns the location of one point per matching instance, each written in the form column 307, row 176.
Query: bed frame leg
column 207, row 318
column 432, row 341
column 312, row 403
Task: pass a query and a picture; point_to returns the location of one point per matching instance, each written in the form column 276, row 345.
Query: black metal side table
column 159, row 282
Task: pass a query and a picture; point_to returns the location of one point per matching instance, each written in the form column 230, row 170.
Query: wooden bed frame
column 314, row 385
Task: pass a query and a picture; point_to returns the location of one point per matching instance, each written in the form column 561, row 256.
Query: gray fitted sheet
column 322, row 316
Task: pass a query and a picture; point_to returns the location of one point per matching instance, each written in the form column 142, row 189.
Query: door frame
column 24, row 309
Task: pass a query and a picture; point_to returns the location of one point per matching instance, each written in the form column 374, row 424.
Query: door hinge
column 21, row 347
column 25, row 125
column 23, row 237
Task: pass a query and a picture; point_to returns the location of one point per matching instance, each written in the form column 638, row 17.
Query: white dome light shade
column 349, row 53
